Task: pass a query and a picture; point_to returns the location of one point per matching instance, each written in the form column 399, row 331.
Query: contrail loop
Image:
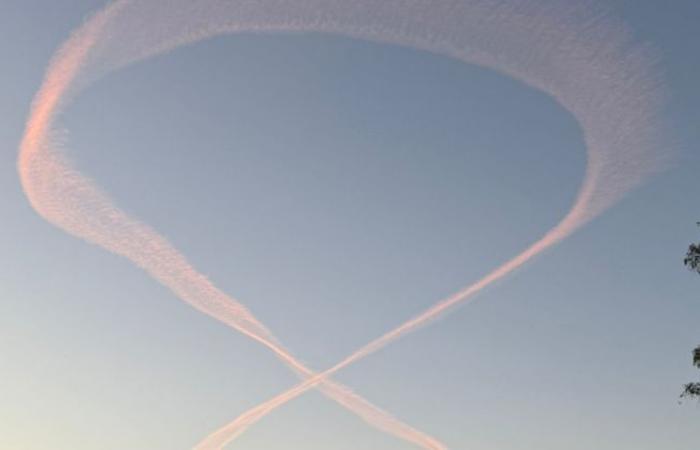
column 578, row 57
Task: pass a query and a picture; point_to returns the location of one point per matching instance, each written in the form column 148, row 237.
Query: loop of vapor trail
column 71, row 201
column 580, row 58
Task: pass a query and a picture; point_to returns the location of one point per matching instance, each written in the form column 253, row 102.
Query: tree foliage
column 693, row 389
column 692, row 257
column 692, row 261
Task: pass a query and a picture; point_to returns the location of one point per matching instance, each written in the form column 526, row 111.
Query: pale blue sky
column 337, row 188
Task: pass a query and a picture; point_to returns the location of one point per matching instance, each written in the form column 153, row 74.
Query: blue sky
column 340, row 188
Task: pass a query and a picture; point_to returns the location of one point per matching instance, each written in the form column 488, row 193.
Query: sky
column 339, row 187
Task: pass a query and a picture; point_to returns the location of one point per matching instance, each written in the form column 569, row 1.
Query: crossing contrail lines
column 583, row 59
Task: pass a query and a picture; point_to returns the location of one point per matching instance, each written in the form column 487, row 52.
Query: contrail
column 71, row 201
column 582, row 58
column 232, row 430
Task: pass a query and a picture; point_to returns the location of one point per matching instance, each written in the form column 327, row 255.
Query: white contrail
column 581, row 59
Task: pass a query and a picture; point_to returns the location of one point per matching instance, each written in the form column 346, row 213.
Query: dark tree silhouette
column 692, row 261
column 692, row 257
column 693, row 389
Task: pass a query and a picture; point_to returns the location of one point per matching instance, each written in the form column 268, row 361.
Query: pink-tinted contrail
column 580, row 58
column 232, row 430
column 72, row 202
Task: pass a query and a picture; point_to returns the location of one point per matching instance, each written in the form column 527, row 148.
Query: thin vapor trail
column 580, row 57
column 231, row 431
